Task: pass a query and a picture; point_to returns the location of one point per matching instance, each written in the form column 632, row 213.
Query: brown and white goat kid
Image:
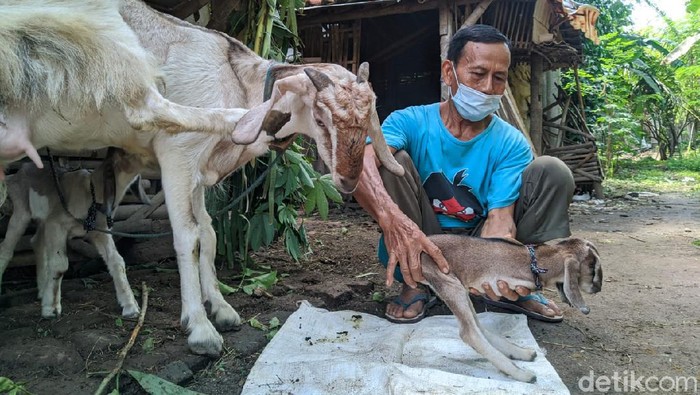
column 207, row 69
column 34, row 197
column 572, row 264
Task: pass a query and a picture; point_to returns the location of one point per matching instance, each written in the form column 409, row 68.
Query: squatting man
column 468, row 172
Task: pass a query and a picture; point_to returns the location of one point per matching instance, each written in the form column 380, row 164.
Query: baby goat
column 572, row 264
column 34, row 196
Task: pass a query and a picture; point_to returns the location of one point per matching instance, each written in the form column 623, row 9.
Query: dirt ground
column 645, row 322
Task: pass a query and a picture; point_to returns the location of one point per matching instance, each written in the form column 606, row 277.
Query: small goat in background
column 572, row 264
column 34, row 196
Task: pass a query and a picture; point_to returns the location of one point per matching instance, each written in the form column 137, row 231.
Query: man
column 467, row 171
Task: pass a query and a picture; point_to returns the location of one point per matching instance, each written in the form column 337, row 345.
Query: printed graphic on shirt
column 451, row 198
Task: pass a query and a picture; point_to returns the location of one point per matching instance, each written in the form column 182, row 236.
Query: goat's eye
column 320, row 123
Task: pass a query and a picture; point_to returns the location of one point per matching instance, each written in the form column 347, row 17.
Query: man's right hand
column 405, row 243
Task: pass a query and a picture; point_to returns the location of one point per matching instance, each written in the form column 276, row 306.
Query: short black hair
column 476, row 33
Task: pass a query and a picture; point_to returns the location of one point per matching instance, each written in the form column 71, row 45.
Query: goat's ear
column 572, row 267
column 261, row 118
column 363, row 73
column 320, row 80
column 136, row 188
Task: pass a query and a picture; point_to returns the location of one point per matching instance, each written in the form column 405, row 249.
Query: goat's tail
column 75, row 52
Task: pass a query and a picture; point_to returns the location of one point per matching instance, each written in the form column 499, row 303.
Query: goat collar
column 536, row 271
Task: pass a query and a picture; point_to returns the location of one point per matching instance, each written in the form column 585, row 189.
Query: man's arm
column 500, row 223
column 404, row 240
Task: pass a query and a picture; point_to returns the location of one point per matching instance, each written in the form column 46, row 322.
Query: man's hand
column 405, row 242
column 504, row 289
column 499, row 223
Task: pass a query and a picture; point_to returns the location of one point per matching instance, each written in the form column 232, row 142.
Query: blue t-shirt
column 463, row 180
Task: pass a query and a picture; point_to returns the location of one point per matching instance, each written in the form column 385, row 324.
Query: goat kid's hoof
column 526, row 376
column 206, row 341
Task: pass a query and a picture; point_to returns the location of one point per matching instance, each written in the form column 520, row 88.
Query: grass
column 650, row 175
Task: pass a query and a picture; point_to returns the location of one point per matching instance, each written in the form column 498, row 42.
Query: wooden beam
column 477, row 13
column 374, row 11
column 536, row 70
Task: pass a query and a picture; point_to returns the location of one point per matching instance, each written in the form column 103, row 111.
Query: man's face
column 483, row 67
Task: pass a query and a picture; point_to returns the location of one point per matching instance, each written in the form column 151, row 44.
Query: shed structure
column 405, row 42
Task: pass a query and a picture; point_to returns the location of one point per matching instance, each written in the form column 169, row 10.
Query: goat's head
column 337, row 114
column 582, row 271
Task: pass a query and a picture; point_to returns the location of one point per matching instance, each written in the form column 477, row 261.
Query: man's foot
column 410, row 306
column 535, row 306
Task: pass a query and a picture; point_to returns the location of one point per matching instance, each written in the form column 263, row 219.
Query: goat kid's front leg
column 455, row 296
column 117, row 269
column 52, row 263
column 153, row 112
column 177, row 184
column 225, row 317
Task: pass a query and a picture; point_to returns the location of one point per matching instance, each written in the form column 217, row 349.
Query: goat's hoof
column 226, row 318
column 130, row 311
column 50, row 312
column 206, row 341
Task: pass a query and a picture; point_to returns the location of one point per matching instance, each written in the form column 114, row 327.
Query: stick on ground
column 129, row 344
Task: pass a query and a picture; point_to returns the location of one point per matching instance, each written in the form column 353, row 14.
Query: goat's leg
column 15, row 229
column 51, row 247
column 153, row 112
column 117, row 269
column 225, row 317
column 502, row 344
column 178, row 186
column 455, row 296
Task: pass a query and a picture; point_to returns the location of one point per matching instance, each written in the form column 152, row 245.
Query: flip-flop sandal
column 427, row 299
column 512, row 306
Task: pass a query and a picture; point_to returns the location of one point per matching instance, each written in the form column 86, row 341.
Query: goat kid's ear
column 109, row 187
column 571, row 286
column 262, row 117
column 136, row 189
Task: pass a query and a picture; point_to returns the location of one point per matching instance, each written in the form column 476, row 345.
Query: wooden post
column 446, row 31
column 536, row 71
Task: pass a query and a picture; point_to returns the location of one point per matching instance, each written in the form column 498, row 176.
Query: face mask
column 472, row 104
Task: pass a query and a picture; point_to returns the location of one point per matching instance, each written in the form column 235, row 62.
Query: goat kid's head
column 582, row 271
column 121, row 171
column 336, row 114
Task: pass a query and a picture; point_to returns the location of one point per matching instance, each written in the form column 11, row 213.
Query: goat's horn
column 320, row 80
column 380, row 147
column 363, row 73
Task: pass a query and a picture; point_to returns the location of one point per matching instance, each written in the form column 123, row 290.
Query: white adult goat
column 207, row 69
column 34, row 196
